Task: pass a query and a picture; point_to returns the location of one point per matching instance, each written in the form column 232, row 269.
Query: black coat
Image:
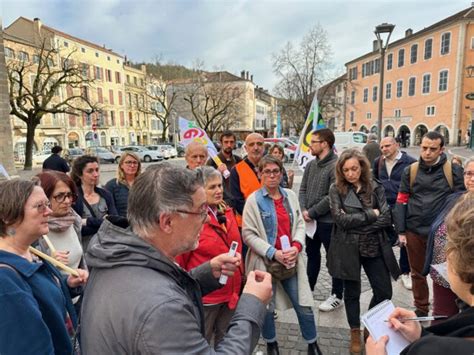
column 351, row 219
column 448, row 337
column 55, row 162
column 119, row 193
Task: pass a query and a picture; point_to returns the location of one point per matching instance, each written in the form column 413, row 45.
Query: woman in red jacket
column 217, row 234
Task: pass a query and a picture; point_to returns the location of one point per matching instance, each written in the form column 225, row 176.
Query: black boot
column 272, row 348
column 313, row 349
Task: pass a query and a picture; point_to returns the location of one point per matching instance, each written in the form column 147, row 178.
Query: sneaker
column 406, row 281
column 331, row 304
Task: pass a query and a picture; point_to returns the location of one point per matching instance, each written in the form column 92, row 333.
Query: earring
column 11, row 232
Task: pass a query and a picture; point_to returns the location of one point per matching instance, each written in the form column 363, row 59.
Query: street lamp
column 384, row 28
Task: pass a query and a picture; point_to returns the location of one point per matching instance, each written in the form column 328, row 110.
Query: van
column 347, row 140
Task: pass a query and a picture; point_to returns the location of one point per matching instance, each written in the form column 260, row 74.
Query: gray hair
column 209, row 173
column 162, row 188
column 469, row 161
column 372, row 137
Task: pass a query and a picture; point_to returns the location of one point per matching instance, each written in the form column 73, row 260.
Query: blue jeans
column 305, row 314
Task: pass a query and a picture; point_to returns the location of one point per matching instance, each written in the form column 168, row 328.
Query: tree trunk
column 164, row 135
column 30, row 140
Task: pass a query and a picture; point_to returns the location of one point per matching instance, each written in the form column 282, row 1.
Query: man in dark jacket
column 138, row 300
column 314, row 201
column 55, row 162
column 417, row 207
column 371, row 150
column 388, row 169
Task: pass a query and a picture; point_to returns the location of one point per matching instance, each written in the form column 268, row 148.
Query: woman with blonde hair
column 129, row 167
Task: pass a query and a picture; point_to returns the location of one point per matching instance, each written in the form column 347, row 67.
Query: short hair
column 458, row 158
column 120, row 174
column 227, row 134
column 56, row 149
column 372, row 137
column 276, row 146
column 460, row 245
column 209, row 173
column 48, row 180
column 13, row 196
column 162, row 188
column 365, row 175
column 468, row 161
column 326, row 135
column 433, row 135
column 79, row 165
column 268, row 159
column 193, row 145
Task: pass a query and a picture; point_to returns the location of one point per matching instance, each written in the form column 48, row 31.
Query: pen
column 420, row 319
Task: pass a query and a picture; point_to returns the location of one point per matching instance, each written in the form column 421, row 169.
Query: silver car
column 165, row 153
column 145, row 154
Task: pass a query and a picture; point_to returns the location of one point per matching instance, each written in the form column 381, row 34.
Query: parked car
column 115, row 150
column 180, row 149
column 104, row 155
column 346, row 140
column 145, row 154
column 41, row 156
column 72, row 153
column 160, row 149
column 173, row 152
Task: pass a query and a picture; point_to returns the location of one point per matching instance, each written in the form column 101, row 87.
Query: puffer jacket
column 119, row 193
column 138, row 301
column 351, row 219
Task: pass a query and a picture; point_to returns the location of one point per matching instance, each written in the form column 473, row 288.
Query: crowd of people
column 142, row 264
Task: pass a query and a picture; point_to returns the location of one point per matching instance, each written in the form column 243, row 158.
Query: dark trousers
column 313, row 250
column 416, row 245
column 444, row 302
column 403, row 261
column 379, row 278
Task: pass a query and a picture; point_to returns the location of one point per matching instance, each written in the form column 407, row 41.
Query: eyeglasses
column 60, row 197
column 271, row 172
column 43, row 206
column 203, row 213
column 130, row 162
column 469, row 174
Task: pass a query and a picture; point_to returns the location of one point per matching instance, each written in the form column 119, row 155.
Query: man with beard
column 228, row 159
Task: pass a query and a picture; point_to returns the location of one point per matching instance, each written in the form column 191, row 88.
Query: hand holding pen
column 410, row 330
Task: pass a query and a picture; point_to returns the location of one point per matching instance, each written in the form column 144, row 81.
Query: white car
column 145, row 154
column 40, row 157
column 165, row 153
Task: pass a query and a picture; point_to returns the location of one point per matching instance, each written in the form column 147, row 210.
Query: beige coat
column 253, row 233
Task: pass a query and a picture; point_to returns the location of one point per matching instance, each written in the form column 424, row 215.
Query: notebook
column 374, row 321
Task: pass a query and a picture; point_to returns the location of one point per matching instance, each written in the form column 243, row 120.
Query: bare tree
column 34, row 90
column 301, row 69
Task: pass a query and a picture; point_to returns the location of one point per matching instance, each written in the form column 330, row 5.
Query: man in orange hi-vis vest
column 244, row 175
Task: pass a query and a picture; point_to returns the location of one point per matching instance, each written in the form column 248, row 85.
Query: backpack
column 447, row 170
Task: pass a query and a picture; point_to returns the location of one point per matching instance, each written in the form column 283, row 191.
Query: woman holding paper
column 455, row 335
column 217, row 234
column 273, row 228
column 37, row 314
column 360, row 212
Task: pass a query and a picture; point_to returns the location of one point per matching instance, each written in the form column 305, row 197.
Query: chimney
column 376, row 45
column 125, row 60
column 143, row 68
column 37, row 24
column 251, row 78
column 247, row 75
column 408, row 32
column 242, row 74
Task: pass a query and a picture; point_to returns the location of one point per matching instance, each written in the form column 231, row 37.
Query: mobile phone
column 232, row 252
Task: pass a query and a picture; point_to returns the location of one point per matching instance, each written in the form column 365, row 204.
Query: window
column 23, row 56
column 443, row 80
column 366, row 95
column 122, row 119
column 120, row 98
column 100, row 98
column 108, row 74
column 430, row 110
column 426, row 84
column 142, row 83
column 369, row 115
column 428, row 48
column 36, row 58
column 401, row 57
column 108, row 58
column 352, row 116
column 445, row 43
column 98, row 73
column 472, row 43
column 130, row 119
column 390, row 61
column 398, row 113
column 374, row 93
column 112, row 118
column 388, row 91
column 364, row 70
column 352, row 74
column 84, row 70
column 377, row 65
column 111, row 96
column 117, row 77
column 66, row 44
column 135, row 80
column 83, row 50
column 129, row 99
column 128, row 79
column 399, row 88
column 353, row 95
column 118, row 61
column 411, row 86
column 413, row 53
column 9, row 53
column 85, row 92
column 371, row 67
column 136, row 100
column 97, row 54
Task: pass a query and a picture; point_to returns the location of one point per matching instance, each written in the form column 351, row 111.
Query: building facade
column 426, row 85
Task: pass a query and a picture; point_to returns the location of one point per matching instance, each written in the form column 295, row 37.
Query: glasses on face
column 469, row 174
column 353, row 169
column 313, row 142
column 269, row 172
column 60, row 197
column 42, row 207
column 130, row 162
column 202, row 213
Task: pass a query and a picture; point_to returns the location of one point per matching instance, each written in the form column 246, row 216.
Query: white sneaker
column 406, row 281
column 331, row 304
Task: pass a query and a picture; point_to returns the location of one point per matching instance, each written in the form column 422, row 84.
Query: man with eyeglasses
column 314, row 201
column 244, row 176
column 139, row 300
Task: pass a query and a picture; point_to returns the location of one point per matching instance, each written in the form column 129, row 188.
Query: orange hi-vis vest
column 248, row 183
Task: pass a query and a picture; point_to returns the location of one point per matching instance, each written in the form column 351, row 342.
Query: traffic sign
column 94, row 127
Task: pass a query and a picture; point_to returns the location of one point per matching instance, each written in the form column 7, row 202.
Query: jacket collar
column 282, row 191
column 20, row 264
column 351, row 200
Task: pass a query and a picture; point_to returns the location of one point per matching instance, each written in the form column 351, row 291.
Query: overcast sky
column 229, row 34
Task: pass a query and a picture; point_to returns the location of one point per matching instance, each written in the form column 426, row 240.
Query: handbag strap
column 89, row 207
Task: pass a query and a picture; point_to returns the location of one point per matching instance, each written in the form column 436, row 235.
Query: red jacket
column 214, row 240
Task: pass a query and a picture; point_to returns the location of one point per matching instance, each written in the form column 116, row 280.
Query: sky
column 232, row 35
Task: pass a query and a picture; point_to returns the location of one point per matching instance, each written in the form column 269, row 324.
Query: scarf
column 61, row 224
